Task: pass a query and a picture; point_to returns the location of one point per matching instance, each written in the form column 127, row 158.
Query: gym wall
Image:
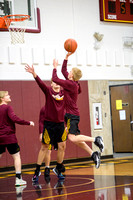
column 27, row 100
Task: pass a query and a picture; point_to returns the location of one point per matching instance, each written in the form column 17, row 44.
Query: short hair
column 77, row 73
column 2, row 94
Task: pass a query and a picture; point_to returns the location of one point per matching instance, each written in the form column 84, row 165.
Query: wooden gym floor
column 112, row 181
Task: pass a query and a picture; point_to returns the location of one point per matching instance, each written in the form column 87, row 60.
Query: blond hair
column 77, row 73
column 2, row 94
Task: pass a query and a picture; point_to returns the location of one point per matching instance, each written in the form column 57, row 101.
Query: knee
column 62, row 146
column 72, row 138
column 44, row 147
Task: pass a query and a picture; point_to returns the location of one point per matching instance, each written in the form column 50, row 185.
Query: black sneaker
column 58, row 173
column 47, row 172
column 99, row 143
column 36, row 177
column 96, row 158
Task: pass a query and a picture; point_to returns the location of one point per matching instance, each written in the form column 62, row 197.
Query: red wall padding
column 27, row 100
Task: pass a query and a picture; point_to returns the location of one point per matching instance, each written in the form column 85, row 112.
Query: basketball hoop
column 16, row 25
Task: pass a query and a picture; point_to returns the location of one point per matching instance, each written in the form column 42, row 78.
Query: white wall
column 60, row 20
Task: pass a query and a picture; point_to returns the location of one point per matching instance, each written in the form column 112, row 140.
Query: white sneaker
column 20, row 182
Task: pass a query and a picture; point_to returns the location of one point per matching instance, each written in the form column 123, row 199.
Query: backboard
column 26, row 7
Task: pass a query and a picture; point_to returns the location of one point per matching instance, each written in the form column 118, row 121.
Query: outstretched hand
column 68, row 54
column 30, row 70
column 32, row 123
column 55, row 63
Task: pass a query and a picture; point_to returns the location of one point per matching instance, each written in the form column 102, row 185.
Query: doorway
column 122, row 114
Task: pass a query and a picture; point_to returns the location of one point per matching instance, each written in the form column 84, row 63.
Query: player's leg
column 14, row 150
column 46, row 140
column 80, row 138
column 41, row 156
column 17, row 165
column 98, row 141
column 60, row 168
column 47, row 162
column 61, row 139
column 75, row 137
column 72, row 122
column 61, row 151
column 95, row 156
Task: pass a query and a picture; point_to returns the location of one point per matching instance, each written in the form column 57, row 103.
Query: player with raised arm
column 72, row 117
column 54, row 129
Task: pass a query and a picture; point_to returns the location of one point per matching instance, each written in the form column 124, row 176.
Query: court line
column 68, row 194
column 82, row 184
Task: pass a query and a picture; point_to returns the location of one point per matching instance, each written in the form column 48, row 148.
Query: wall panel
column 27, row 100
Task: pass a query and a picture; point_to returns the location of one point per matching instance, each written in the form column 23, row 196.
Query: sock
column 92, row 153
column 37, row 169
column 59, row 165
column 18, row 175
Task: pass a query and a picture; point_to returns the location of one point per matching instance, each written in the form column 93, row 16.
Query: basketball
column 70, row 45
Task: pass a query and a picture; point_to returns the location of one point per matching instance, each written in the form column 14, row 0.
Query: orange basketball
column 70, row 45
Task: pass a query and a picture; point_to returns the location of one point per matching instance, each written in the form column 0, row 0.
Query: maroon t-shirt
column 71, row 90
column 54, row 106
column 7, row 124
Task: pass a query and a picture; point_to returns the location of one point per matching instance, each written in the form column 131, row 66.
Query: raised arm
column 30, row 70
column 64, row 66
column 36, row 77
column 67, row 84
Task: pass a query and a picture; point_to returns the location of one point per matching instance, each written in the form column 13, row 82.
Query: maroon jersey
column 54, row 106
column 41, row 120
column 71, row 90
column 7, row 124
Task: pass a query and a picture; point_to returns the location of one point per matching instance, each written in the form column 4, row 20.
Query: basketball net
column 17, row 25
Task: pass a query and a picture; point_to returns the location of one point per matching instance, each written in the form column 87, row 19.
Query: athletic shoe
column 99, row 143
column 36, row 177
column 20, row 182
column 59, row 174
column 47, row 172
column 96, row 158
